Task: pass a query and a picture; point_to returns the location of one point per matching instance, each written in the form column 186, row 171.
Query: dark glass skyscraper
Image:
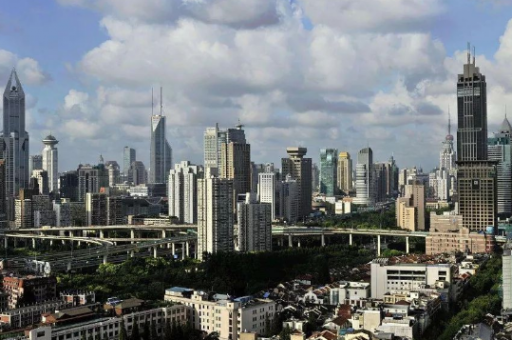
column 476, row 182
column 15, row 138
column 471, row 114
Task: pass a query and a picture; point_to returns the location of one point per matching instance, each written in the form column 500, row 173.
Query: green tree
column 122, row 331
column 135, row 331
column 285, row 333
column 145, row 333
column 167, row 331
column 154, row 335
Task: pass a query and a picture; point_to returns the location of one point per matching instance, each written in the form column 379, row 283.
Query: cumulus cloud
column 28, row 69
column 359, row 74
column 378, row 16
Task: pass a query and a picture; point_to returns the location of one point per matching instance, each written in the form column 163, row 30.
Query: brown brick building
column 29, row 289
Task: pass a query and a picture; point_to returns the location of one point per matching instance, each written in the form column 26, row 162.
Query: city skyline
column 74, row 96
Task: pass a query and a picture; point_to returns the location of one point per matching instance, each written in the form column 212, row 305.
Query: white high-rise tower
column 51, row 162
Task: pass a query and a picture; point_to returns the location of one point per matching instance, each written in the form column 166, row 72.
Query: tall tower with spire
column 15, row 138
column 476, row 174
column 160, row 151
column 448, row 156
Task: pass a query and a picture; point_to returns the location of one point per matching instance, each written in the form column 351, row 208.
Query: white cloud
column 362, row 74
column 373, row 16
column 29, row 71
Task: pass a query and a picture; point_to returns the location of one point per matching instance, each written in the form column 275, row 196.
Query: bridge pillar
column 102, row 234
column 105, row 259
column 15, row 242
column 132, row 235
column 290, row 241
column 187, row 247
column 350, row 241
column 33, row 243
column 378, row 245
column 63, row 241
column 68, row 267
column 132, row 253
column 183, row 251
column 71, row 234
column 173, row 246
column 407, row 244
column 51, row 243
column 298, row 243
column 155, row 252
column 164, row 234
column 6, row 242
column 323, row 240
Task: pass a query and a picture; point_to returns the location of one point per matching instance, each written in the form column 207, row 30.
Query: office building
column 35, row 162
column 254, row 225
column 42, row 211
column 137, row 174
column 42, row 179
column 410, row 209
column 129, row 156
column 447, row 235
column 3, row 208
column 227, row 317
column 215, row 217
column 344, row 176
column 114, row 173
column 160, row 151
column 15, row 138
column 328, row 172
column 68, row 185
column 236, row 165
column 51, row 162
column 499, row 150
column 315, row 178
column 33, row 289
column 267, row 191
column 476, row 175
column 110, row 328
column 182, row 191
column 403, row 278
column 365, row 188
column 300, row 168
column 88, row 180
column 288, row 200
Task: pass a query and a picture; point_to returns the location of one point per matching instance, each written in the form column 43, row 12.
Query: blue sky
column 99, row 59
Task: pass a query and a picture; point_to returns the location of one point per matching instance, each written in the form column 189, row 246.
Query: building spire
column 449, row 122
column 152, row 101
column 469, row 53
column 161, row 102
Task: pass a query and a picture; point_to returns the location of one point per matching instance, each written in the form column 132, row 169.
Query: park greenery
column 234, row 273
column 481, row 297
column 382, row 219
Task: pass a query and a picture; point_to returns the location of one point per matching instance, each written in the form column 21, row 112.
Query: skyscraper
column 160, row 150
column 344, row 172
column 129, row 156
column 289, row 200
column 267, row 186
column 215, row 219
column 299, row 168
column 15, row 138
column 35, row 162
column 182, row 191
column 236, row 165
column 51, row 162
column 476, row 175
column 499, row 150
column 137, row 173
column 471, row 113
column 328, row 171
column 254, row 225
column 365, row 178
